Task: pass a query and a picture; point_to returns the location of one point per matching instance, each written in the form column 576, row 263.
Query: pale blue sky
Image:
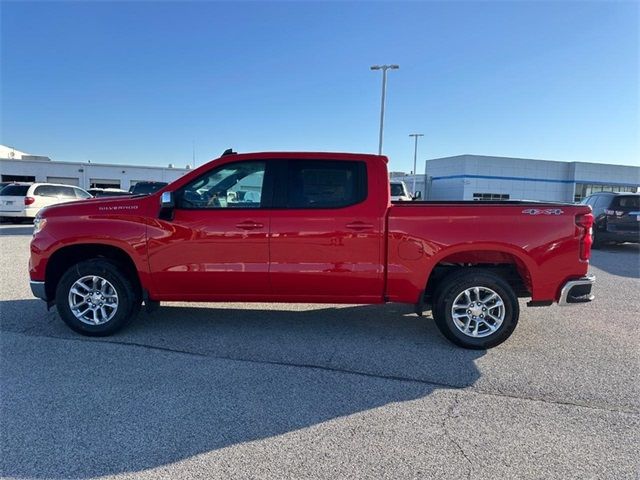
column 139, row 82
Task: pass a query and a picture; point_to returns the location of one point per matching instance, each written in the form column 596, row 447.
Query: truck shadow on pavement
column 16, row 230
column 189, row 380
column 622, row 260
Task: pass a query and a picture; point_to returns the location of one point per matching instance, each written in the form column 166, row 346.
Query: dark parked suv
column 617, row 217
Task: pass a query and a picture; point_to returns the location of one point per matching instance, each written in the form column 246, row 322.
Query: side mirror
column 167, row 205
column 166, row 200
column 417, row 195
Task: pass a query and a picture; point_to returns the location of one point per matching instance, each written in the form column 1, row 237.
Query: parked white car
column 21, row 201
column 399, row 192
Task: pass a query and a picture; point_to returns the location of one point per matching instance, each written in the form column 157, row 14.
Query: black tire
column 596, row 240
column 128, row 296
column 454, row 285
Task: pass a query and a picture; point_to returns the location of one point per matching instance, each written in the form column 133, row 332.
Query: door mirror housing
column 167, row 205
column 417, row 195
column 166, row 200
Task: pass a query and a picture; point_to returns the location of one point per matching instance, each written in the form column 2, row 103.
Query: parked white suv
column 20, row 201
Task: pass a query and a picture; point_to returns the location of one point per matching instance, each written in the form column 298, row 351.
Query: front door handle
column 249, row 225
column 358, row 226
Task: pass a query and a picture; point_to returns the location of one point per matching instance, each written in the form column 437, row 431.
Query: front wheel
column 476, row 309
column 96, row 298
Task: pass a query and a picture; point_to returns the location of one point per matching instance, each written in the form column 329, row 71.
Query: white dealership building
column 480, row 177
column 461, row 177
column 19, row 166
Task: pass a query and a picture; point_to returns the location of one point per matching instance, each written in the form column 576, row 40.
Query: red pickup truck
column 309, row 227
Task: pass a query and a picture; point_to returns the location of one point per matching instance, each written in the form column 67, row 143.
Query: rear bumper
column 26, row 212
column 577, row 291
column 13, row 213
column 38, row 290
column 621, row 236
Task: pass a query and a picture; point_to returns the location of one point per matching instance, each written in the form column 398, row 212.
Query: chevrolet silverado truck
column 313, row 228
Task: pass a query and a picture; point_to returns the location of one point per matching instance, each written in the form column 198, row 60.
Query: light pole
column 384, row 69
column 415, row 159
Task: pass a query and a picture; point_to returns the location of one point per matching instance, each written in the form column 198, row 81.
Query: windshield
column 397, row 190
column 146, row 188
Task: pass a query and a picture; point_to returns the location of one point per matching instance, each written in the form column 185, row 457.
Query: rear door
column 623, row 215
column 325, row 236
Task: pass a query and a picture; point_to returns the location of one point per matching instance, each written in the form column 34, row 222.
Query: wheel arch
column 63, row 258
column 513, row 265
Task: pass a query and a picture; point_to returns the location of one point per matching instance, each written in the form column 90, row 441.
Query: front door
column 217, row 244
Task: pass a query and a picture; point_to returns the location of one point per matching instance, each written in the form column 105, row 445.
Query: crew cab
column 313, row 228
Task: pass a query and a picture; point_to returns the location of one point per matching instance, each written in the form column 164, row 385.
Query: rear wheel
column 96, row 298
column 476, row 309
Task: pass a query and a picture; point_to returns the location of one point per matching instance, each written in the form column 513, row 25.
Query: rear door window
column 325, row 184
column 47, row 191
column 67, row 192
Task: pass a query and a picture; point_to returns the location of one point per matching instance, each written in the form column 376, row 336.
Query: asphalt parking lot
column 317, row 391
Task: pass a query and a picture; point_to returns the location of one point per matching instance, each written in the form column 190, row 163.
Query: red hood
column 134, row 205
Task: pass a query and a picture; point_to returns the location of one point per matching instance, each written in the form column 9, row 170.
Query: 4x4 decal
column 546, row 211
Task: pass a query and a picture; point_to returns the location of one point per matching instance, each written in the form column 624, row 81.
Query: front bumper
column 38, row 290
column 577, row 291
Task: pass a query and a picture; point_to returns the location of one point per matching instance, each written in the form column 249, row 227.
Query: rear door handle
column 249, row 225
column 359, row 226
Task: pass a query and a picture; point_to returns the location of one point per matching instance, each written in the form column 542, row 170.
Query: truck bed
column 538, row 239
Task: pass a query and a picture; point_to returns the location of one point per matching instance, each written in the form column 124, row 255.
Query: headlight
column 38, row 224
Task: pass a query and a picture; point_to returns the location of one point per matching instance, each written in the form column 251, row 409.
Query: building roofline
column 522, row 158
column 88, row 164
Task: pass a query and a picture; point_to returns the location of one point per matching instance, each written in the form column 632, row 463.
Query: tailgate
column 11, row 204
